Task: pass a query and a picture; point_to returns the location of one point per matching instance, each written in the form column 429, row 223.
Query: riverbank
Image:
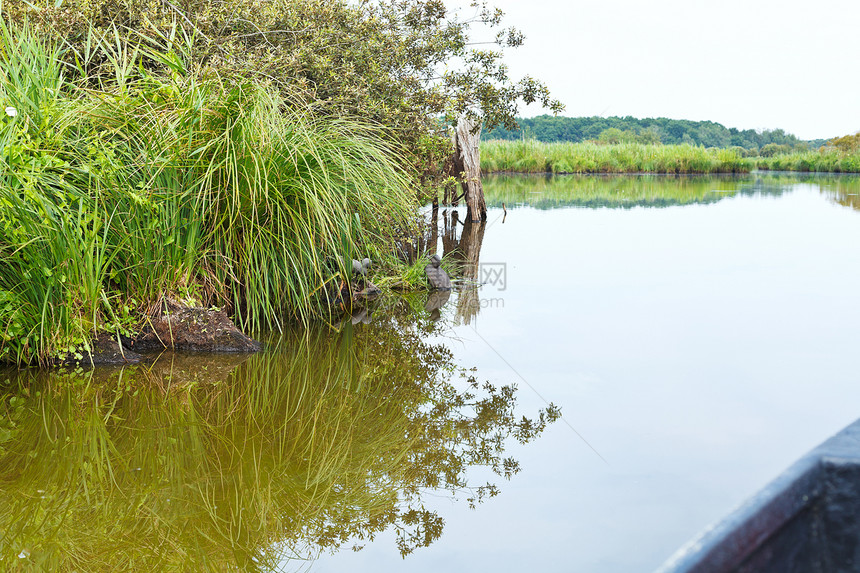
column 826, row 161
column 200, row 189
column 530, row 156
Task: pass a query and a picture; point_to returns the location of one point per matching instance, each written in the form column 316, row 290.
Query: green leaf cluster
column 412, row 66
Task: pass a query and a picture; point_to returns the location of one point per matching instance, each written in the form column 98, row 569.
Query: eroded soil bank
column 175, row 327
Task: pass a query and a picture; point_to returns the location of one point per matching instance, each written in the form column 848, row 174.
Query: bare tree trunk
column 429, row 237
column 450, row 170
column 433, row 239
column 449, row 232
column 467, row 152
column 465, row 166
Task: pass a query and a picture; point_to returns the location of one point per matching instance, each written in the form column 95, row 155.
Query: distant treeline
column 549, row 128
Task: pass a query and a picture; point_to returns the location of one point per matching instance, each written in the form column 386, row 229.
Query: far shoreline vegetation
column 628, row 145
column 530, row 156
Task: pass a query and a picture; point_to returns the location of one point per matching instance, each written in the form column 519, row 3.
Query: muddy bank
column 174, row 327
column 106, row 349
column 196, row 329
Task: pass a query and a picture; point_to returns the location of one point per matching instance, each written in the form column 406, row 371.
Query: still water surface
column 699, row 334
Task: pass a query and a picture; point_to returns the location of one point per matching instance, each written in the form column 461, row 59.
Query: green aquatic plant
column 250, row 464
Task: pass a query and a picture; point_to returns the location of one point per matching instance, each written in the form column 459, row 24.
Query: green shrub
column 198, row 188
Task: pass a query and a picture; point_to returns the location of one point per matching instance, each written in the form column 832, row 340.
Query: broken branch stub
column 467, row 163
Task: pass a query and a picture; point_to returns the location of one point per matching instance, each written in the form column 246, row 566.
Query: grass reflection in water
column 226, row 463
column 629, row 191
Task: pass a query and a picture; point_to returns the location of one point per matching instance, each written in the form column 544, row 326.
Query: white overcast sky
column 750, row 64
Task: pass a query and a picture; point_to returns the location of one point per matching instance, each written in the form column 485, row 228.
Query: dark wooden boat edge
column 806, row 520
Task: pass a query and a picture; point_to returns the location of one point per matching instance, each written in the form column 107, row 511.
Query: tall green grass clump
column 532, row 156
column 118, row 192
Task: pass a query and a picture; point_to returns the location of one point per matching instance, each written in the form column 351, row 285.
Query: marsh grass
column 125, row 188
column 824, row 161
column 531, row 156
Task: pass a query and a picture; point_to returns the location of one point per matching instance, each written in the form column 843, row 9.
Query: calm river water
column 698, row 335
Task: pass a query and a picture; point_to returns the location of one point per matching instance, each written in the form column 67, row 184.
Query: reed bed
column 826, row 161
column 531, row 156
column 117, row 192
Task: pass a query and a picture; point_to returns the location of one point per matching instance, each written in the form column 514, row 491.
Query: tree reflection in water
column 468, row 256
column 656, row 191
column 238, row 463
column 461, row 245
column 844, row 190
